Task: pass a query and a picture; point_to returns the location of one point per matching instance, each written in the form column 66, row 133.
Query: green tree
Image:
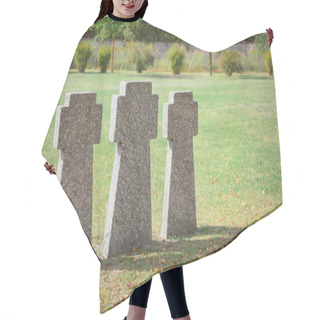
column 230, row 61
column 139, row 31
column 263, row 47
column 261, row 42
column 106, row 29
column 104, row 54
column 82, row 55
column 145, row 32
column 176, row 55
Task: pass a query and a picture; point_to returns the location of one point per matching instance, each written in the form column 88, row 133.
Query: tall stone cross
column 133, row 122
column 77, row 129
column 180, row 124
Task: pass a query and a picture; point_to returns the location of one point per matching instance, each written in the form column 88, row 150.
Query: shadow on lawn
column 253, row 77
column 164, row 76
column 218, row 238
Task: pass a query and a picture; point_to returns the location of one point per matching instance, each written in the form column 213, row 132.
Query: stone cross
column 133, row 122
column 77, row 129
column 180, row 124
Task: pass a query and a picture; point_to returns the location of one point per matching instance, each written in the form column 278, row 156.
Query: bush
column 83, row 53
column 140, row 55
column 268, row 62
column 104, row 54
column 230, row 61
column 176, row 55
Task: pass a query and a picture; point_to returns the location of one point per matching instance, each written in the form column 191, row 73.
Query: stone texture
column 133, row 122
column 180, row 124
column 77, row 129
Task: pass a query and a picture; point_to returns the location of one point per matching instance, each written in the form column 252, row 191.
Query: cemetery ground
column 236, row 161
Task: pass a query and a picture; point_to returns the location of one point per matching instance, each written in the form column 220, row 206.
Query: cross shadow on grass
column 204, row 241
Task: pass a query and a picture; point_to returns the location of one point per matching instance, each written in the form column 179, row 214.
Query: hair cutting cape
column 166, row 151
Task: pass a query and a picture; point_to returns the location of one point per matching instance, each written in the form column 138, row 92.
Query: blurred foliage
column 230, row 61
column 140, row 54
column 268, row 62
column 82, row 54
column 176, row 55
column 263, row 47
column 104, row 54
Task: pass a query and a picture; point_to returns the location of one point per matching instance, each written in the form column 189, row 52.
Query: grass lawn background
column 236, row 159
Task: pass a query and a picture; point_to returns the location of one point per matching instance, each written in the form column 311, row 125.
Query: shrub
column 140, row 55
column 83, row 52
column 176, row 55
column 104, row 54
column 230, row 61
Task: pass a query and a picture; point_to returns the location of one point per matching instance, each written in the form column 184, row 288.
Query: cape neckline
column 113, row 17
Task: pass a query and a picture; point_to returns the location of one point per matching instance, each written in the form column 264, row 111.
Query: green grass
column 237, row 168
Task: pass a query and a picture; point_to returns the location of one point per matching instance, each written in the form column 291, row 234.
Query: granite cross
column 77, row 129
column 180, row 124
column 133, row 122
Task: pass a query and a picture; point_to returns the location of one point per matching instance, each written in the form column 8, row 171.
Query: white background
column 47, row 267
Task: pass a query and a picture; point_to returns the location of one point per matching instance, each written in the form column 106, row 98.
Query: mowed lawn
column 237, row 167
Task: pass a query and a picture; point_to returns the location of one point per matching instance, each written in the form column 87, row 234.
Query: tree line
column 141, row 32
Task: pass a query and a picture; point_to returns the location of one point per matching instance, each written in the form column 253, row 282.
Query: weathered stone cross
column 133, row 122
column 180, row 124
column 77, row 129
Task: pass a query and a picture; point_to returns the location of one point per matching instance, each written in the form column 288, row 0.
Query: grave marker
column 180, row 124
column 77, row 129
column 133, row 122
